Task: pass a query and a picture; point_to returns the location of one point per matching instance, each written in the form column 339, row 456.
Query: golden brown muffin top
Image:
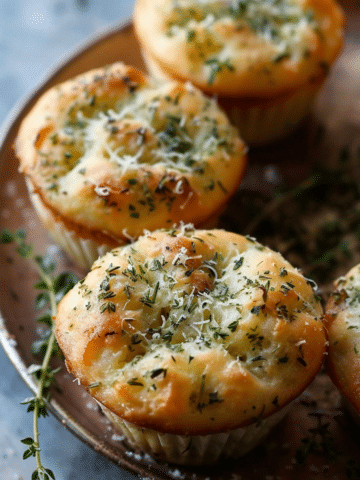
column 241, row 47
column 192, row 331
column 114, row 153
column 342, row 316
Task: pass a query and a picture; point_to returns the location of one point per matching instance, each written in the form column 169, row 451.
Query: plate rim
column 145, row 472
column 6, row 341
column 68, row 57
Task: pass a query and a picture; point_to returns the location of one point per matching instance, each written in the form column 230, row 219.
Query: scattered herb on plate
column 319, row 441
column 315, row 224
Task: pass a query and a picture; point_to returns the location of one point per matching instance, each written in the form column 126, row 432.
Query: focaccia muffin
column 193, row 341
column 109, row 154
column 264, row 59
column 342, row 317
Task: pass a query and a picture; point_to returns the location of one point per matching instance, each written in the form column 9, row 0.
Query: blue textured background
column 33, row 36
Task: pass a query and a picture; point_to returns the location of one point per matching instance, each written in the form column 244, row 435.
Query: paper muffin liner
column 196, row 449
column 264, row 120
column 83, row 251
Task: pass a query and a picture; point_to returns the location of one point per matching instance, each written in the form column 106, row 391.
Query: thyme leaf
column 54, row 288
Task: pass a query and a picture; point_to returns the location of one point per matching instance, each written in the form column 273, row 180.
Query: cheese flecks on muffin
column 342, row 318
column 109, row 150
column 192, row 332
column 282, row 24
column 243, row 47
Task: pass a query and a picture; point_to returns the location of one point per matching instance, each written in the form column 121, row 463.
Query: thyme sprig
column 315, row 224
column 53, row 288
column 280, row 200
column 319, row 441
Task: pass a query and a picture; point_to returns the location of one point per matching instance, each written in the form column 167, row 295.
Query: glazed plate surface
column 317, row 420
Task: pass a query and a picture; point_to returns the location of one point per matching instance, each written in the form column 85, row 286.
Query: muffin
column 194, row 342
column 110, row 154
column 342, row 320
column 264, row 59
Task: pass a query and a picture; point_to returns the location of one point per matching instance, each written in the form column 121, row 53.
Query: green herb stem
column 42, row 473
column 56, row 288
column 277, row 202
column 39, row 394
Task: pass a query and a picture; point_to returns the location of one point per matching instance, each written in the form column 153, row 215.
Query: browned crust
column 231, row 83
column 161, row 195
column 342, row 364
column 80, row 230
column 170, row 411
column 199, row 219
column 226, row 99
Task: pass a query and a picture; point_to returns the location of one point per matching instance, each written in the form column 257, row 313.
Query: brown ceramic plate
column 316, row 422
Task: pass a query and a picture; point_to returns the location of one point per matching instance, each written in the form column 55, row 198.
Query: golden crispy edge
column 196, row 210
column 342, row 363
column 228, row 84
column 314, row 349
